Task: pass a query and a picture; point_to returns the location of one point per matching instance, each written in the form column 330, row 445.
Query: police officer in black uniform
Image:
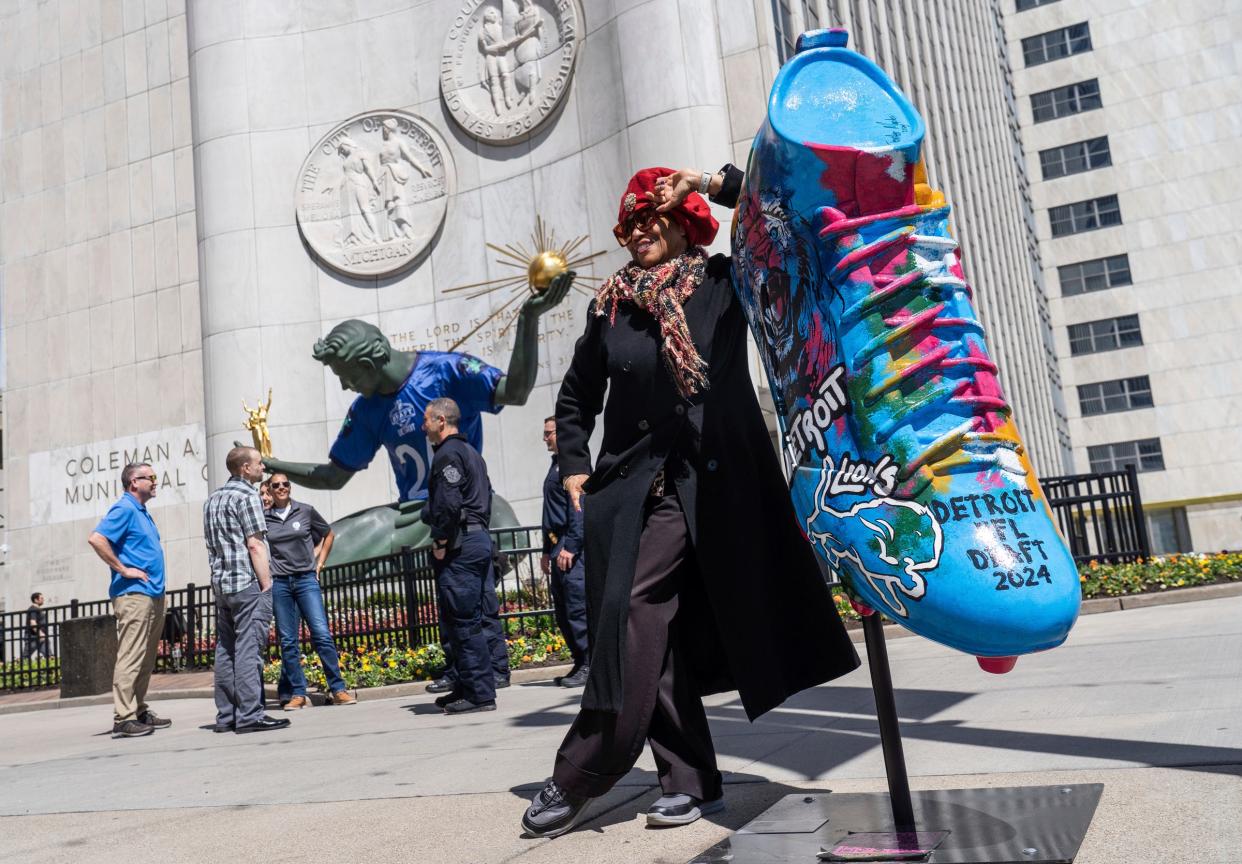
column 459, row 507
column 562, row 564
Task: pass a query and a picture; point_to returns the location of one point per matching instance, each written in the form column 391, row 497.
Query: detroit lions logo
column 403, row 417
column 888, row 542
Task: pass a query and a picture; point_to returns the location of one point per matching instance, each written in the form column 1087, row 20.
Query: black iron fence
column 1100, row 515
column 385, row 601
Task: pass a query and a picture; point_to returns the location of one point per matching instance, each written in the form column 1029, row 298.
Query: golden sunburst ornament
column 539, row 267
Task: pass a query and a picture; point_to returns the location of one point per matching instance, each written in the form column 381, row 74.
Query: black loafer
column 681, row 809
column 441, row 685
column 263, row 724
column 222, row 727
column 500, row 683
column 465, row 706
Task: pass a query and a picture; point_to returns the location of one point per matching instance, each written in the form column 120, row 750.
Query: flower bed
column 374, row 667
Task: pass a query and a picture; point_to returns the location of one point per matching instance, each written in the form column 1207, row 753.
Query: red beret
column 693, row 214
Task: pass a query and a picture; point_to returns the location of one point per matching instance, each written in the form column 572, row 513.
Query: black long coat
column 762, row 616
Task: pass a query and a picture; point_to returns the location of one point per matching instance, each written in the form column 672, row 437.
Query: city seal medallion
column 372, row 193
column 507, row 63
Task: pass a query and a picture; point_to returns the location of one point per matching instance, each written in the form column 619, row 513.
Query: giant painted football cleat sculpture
column 907, row 469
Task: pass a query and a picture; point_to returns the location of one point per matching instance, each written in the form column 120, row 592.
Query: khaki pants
column 139, row 622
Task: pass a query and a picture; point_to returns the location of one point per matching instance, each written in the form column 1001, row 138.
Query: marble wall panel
column 166, row 248
column 221, row 109
column 287, row 284
column 277, row 157
column 159, row 106
column 227, row 267
column 226, row 202
column 120, row 265
column 280, row 101
column 163, row 191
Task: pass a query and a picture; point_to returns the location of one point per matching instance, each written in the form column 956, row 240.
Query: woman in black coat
column 699, row 579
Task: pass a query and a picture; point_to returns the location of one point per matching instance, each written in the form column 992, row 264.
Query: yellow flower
column 392, row 664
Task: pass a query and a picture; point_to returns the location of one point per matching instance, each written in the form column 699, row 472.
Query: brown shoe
column 297, row 703
column 342, row 697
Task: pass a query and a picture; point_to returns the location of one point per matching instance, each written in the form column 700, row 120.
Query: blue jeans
column 295, row 598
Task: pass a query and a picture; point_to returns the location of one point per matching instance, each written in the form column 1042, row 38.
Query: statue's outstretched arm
column 326, row 475
column 515, row 386
column 312, row 475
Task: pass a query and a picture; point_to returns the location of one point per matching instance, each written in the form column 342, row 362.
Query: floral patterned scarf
column 662, row 290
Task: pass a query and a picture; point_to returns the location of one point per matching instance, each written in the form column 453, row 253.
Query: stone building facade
column 181, row 222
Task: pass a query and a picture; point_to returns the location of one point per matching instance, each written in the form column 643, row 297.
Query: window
column 1024, row 5
column 786, row 30
column 1094, row 275
column 1085, row 216
column 1109, row 397
column 1056, row 44
column 1106, row 335
column 1144, row 455
column 1169, row 531
column 1064, row 101
column 1075, row 158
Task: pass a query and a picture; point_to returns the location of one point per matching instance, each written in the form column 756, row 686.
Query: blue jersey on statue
column 396, row 421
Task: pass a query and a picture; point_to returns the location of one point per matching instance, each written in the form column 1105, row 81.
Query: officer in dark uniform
column 459, row 507
column 562, row 564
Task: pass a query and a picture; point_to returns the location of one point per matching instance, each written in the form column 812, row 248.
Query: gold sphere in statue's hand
column 545, row 267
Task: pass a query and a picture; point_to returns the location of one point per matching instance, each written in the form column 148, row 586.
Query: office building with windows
column 1130, row 116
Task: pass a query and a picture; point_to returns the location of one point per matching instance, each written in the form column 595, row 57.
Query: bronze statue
column 256, row 422
column 393, row 388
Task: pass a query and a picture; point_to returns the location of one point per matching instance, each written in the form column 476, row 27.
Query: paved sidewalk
column 1146, row 701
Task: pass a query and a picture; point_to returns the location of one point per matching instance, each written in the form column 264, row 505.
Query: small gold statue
column 256, row 422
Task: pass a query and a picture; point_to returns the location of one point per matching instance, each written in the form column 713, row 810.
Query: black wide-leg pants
column 661, row 705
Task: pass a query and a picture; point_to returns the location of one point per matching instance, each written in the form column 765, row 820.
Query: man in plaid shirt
column 235, row 531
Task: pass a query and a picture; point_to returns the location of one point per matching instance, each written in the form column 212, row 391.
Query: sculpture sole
column 905, row 465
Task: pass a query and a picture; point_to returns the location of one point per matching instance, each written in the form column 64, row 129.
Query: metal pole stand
column 998, row 825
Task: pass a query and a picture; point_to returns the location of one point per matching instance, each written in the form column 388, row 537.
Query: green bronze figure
column 393, row 390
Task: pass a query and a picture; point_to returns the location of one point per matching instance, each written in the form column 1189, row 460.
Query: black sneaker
column 500, row 682
column 451, row 696
column 263, row 724
column 681, row 809
column 553, row 811
column 465, row 706
column 150, row 718
column 130, row 729
column 572, row 672
column 577, row 679
column 441, row 685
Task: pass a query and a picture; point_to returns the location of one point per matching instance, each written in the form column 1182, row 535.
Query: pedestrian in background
column 128, row 541
column 459, row 508
column 562, row 564
column 234, row 530
column 36, row 629
column 299, row 540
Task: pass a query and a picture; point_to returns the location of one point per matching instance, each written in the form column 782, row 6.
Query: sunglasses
column 151, row 477
column 642, row 220
column 277, row 485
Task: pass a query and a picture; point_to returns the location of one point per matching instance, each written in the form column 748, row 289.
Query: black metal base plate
column 1003, row 825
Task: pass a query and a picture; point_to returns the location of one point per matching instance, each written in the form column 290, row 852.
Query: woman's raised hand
column 670, row 191
column 573, row 485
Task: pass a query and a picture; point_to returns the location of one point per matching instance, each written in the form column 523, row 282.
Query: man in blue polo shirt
column 127, row 540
